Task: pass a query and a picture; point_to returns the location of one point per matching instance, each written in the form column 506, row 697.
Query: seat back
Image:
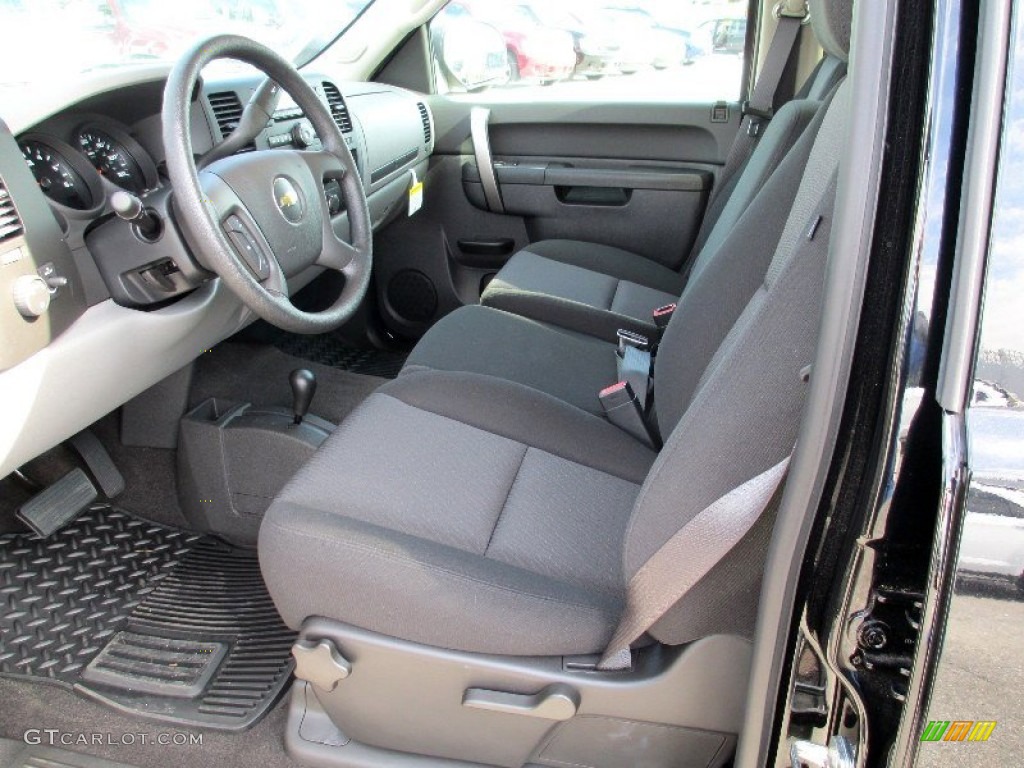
column 726, row 208
column 827, row 75
column 782, row 132
column 724, row 279
column 731, row 408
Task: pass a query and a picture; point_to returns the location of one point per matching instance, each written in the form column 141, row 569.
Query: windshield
column 43, row 39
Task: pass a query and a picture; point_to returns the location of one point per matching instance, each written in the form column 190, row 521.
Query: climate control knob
column 302, row 134
column 31, row 296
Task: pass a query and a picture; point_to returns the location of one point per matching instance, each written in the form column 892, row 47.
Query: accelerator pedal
column 102, row 467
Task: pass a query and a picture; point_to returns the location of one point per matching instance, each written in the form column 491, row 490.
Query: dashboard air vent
column 338, row 109
column 227, row 108
column 425, row 116
column 10, row 221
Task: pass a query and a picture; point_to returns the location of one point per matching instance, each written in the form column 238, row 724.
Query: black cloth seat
column 596, row 289
column 481, row 513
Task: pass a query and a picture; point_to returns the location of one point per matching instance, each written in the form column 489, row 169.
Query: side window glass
column 636, row 50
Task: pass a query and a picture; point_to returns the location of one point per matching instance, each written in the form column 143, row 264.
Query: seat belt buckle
column 633, row 339
column 624, row 410
column 662, row 316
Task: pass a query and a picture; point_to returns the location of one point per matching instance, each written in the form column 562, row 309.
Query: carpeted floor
column 328, row 349
column 258, row 373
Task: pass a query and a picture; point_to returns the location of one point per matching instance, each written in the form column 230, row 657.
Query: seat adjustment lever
column 556, row 702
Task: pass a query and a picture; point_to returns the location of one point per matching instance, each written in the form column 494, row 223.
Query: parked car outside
column 152, row 29
column 634, row 53
column 535, row 53
column 724, row 35
column 992, row 543
column 470, row 53
column 675, row 45
column 596, row 47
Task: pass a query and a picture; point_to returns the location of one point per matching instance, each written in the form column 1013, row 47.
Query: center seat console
column 234, row 458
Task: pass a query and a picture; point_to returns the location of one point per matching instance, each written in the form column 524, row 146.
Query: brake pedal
column 99, row 462
column 50, row 510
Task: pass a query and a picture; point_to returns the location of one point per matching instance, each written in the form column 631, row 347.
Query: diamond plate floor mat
column 170, row 625
column 328, row 350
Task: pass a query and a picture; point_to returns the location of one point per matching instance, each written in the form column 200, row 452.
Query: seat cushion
column 568, row 365
column 593, row 289
column 615, row 262
column 464, row 512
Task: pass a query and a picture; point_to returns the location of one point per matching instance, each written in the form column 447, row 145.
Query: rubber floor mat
column 328, row 350
column 170, row 625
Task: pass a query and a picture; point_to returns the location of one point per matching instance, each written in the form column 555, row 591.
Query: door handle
column 479, row 118
column 556, row 702
column 500, row 246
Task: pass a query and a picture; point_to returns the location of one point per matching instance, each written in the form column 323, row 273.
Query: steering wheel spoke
column 323, row 165
column 338, row 255
column 258, row 218
column 244, row 239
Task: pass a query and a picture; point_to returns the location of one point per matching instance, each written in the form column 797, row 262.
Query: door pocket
column 597, row 196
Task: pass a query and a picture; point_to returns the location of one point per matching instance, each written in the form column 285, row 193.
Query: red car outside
column 535, row 53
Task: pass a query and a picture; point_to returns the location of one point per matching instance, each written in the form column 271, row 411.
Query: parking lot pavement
column 981, row 677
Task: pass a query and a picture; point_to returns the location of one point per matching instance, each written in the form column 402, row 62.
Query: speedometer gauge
column 56, row 175
column 112, row 159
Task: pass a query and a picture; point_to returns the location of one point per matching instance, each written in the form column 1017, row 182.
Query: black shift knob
column 303, row 388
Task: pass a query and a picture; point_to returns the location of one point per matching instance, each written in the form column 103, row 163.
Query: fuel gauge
column 112, row 159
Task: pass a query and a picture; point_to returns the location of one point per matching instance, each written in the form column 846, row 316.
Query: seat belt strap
column 633, row 360
column 687, row 557
column 757, row 111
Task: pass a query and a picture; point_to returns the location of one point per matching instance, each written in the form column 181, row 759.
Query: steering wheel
column 258, row 218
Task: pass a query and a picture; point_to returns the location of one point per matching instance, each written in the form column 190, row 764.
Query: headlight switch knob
column 31, row 296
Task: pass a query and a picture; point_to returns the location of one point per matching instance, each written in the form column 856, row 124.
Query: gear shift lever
column 303, row 383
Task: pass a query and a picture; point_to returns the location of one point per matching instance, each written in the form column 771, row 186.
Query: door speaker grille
column 412, row 296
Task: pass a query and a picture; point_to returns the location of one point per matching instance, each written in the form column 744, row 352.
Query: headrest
column 831, row 20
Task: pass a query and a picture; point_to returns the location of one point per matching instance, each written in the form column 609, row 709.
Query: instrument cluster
column 72, row 173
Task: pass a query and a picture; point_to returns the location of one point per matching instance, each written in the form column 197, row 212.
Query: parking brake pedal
column 50, row 510
column 102, row 467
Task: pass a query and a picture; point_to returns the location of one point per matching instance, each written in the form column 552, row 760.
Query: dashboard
column 92, row 306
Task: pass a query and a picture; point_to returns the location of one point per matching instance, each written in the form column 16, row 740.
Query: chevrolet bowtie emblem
column 287, row 198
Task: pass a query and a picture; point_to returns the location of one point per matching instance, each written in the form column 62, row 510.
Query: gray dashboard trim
column 106, row 358
column 21, row 115
column 110, row 355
